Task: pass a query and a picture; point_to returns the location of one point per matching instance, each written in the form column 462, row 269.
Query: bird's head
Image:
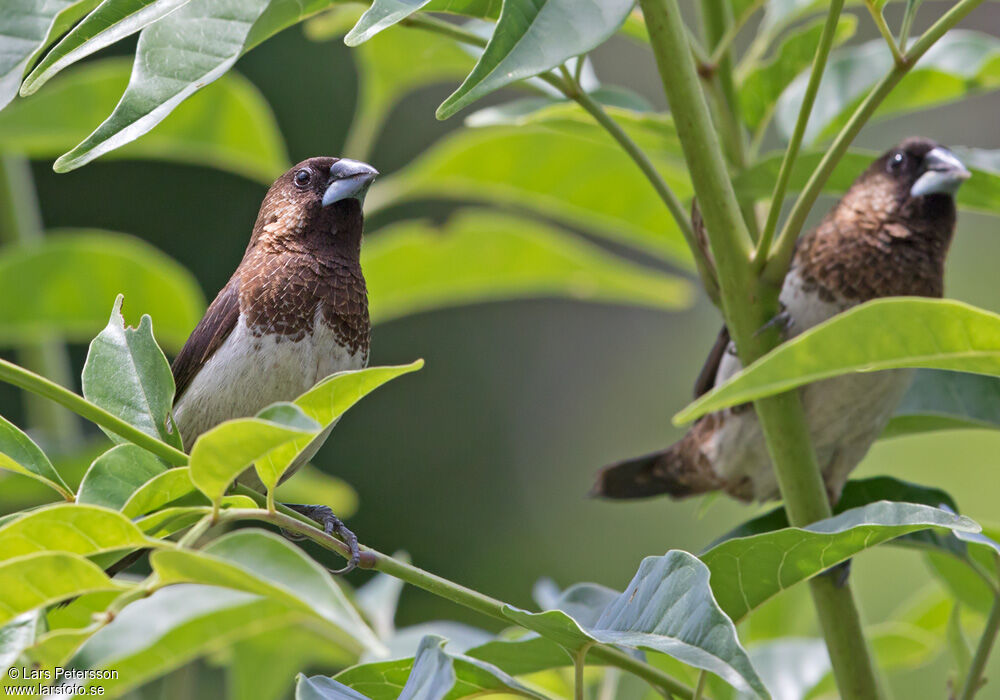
column 318, row 200
column 918, row 173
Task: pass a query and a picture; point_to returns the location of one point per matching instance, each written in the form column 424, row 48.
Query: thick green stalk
column 777, row 266
column 792, row 152
column 20, row 224
column 747, row 304
column 974, row 678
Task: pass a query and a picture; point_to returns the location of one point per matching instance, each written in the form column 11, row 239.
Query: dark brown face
column 918, row 173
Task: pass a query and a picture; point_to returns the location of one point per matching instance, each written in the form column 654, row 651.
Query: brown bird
column 294, row 311
column 888, row 236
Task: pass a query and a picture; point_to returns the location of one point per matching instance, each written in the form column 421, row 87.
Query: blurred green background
column 479, row 465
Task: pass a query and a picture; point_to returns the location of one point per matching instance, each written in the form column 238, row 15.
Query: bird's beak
column 943, row 174
column 348, row 179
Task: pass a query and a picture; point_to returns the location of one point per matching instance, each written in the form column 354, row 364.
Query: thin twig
column 734, row 29
column 974, row 678
column 884, row 30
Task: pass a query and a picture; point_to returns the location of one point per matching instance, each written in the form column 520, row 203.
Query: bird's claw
column 782, row 320
column 332, row 525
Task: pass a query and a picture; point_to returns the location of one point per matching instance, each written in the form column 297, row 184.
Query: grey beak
column 348, row 179
column 943, row 174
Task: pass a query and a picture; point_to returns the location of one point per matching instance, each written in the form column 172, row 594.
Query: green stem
column 21, row 224
column 40, row 386
column 438, row 26
column 699, row 688
column 777, row 266
column 443, row 588
column 883, row 29
column 974, row 679
column 747, row 303
column 908, row 16
column 717, row 18
column 722, row 46
column 792, row 152
column 579, row 664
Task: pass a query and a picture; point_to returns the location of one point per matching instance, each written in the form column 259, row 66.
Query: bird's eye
column 302, row 177
column 897, row 162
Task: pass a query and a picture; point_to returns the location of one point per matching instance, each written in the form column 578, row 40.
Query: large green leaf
column 173, row 626
column 325, row 403
column 749, row 570
column 46, row 278
column 27, row 27
column 16, row 636
column 485, row 256
column 43, row 578
column 877, row 335
column 432, row 674
column 166, row 486
column 961, row 63
column 534, row 36
column 222, row 453
column 178, row 55
column 127, row 375
column 266, row 564
column 228, row 125
column 668, row 607
column 589, row 183
column 116, row 474
column 940, row 400
column 980, row 193
column 761, row 87
column 66, row 527
column 19, row 454
column 381, row 15
column 110, row 21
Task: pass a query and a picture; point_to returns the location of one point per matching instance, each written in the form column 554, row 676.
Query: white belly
column 250, row 372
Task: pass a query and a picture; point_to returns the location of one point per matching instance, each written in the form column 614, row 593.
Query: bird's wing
column 213, row 329
column 706, row 378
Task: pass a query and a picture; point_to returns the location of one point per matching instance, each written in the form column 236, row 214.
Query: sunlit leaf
column 668, row 607
column 43, row 578
column 589, row 183
column 19, row 454
column 116, row 474
column 55, row 648
column 167, row 486
column 27, row 27
column 877, row 335
column 747, row 571
column 127, row 375
column 228, row 125
column 483, row 256
column 260, row 562
column 67, row 527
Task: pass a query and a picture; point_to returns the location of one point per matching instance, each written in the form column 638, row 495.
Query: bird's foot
column 332, row 525
column 783, row 321
column 839, row 573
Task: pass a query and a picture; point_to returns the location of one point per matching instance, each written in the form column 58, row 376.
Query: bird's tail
column 678, row 471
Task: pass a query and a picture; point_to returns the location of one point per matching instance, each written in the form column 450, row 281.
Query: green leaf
column 16, row 636
column 266, row 564
column 432, row 674
column 19, row 454
column 110, row 21
column 747, row 571
column 116, row 474
column 27, row 27
column 964, row 583
column 325, row 403
column 323, row 688
column 484, row 256
column 381, row 15
column 56, row 647
column 127, row 375
column 877, row 335
column 534, row 36
column 764, row 83
column 46, row 276
column 583, row 181
column 73, row 528
column 940, row 400
column 228, row 125
column 166, row 486
column 222, row 453
column 960, row 64
column 172, row 627
column 790, row 667
column 178, row 55
column 39, row 579
column 668, row 607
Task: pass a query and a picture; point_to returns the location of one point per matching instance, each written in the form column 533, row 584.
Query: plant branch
column 21, row 224
column 717, row 18
column 777, row 266
column 974, row 678
column 726, row 40
column 908, row 17
column 792, row 152
column 40, row 386
column 443, row 588
column 884, row 30
column 439, row 26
